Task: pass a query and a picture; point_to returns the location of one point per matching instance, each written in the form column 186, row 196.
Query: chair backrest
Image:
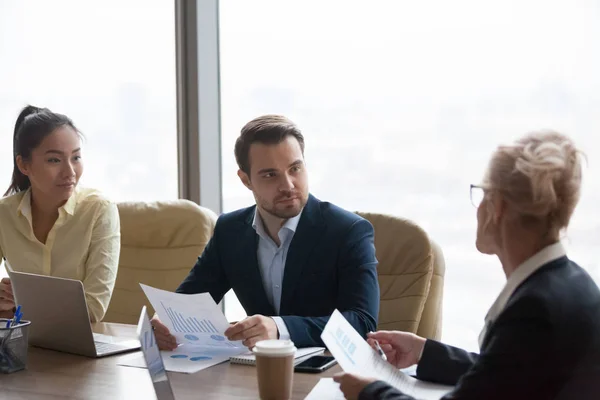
column 406, row 267
column 160, row 243
column 430, row 325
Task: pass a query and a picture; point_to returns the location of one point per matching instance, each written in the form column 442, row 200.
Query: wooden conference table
column 55, row 375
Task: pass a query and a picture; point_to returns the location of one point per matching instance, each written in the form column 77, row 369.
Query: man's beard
column 286, row 212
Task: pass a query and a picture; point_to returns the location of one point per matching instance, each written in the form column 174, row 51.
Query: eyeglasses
column 477, row 195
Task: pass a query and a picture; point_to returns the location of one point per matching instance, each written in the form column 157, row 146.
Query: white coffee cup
column 275, row 368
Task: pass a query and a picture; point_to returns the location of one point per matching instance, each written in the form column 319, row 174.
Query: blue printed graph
column 148, row 340
column 345, row 343
column 191, row 337
column 218, row 338
column 351, row 349
column 200, row 358
column 195, row 358
column 184, row 324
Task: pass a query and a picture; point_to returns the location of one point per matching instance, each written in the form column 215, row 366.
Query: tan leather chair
column 430, row 325
column 160, row 243
column 410, row 276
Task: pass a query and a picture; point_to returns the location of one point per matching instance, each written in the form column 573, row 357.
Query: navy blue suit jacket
column 330, row 264
column 544, row 345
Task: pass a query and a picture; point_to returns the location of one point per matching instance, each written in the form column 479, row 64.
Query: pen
column 17, row 316
column 380, row 351
column 20, row 315
column 15, row 319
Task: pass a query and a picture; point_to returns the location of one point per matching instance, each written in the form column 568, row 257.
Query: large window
column 402, row 103
column 108, row 65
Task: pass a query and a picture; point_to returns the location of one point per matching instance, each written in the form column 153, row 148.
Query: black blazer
column 545, row 344
column 330, row 264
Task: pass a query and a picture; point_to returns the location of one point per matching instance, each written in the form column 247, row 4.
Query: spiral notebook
column 301, row 355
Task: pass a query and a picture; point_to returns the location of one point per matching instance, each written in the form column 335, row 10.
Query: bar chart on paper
column 194, row 319
column 186, row 324
column 148, row 341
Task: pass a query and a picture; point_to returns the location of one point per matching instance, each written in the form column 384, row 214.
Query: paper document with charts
column 198, row 324
column 355, row 355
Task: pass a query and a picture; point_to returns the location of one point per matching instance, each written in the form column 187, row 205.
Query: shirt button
column 276, row 286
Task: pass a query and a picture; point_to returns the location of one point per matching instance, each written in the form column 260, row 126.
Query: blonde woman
column 541, row 338
column 49, row 226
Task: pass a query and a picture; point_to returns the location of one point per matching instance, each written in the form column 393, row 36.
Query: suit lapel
column 250, row 274
column 484, row 333
column 308, row 233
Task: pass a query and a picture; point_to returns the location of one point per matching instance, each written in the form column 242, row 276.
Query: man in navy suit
column 290, row 259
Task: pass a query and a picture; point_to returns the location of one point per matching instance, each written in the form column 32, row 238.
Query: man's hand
column 402, row 349
column 351, row 385
column 164, row 339
column 252, row 329
column 7, row 300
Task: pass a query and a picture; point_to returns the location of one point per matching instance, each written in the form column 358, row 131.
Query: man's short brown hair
column 267, row 129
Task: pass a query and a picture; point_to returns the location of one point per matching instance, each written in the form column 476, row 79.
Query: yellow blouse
column 83, row 244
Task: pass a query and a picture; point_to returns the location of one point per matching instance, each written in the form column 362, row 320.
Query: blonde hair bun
column 540, row 176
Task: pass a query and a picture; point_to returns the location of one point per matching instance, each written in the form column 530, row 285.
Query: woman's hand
column 351, row 385
column 7, row 300
column 402, row 349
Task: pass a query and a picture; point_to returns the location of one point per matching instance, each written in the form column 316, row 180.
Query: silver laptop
column 154, row 361
column 59, row 316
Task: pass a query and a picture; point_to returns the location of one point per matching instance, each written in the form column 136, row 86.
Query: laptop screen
column 156, row 368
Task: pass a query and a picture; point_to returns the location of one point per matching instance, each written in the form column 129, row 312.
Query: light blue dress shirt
column 271, row 261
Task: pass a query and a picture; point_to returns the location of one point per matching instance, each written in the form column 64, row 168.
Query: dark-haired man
column 290, row 259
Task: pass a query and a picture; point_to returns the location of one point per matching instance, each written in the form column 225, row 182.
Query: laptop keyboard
column 102, row 347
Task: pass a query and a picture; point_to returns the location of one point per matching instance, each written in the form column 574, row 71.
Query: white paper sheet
column 355, row 355
column 194, row 319
column 150, row 351
column 326, row 388
column 193, row 363
column 198, row 325
column 185, row 359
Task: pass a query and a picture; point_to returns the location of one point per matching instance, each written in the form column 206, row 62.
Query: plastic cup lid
column 274, row 347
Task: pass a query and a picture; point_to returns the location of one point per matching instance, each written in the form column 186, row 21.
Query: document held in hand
column 355, row 356
column 198, row 325
column 193, row 319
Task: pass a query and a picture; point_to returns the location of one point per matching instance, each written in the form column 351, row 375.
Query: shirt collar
column 69, row 206
column 24, row 207
column 524, row 271
column 291, row 224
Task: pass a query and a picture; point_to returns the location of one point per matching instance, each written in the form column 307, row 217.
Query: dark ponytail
column 32, row 126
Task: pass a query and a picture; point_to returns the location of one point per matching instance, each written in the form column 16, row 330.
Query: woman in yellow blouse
column 48, row 225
